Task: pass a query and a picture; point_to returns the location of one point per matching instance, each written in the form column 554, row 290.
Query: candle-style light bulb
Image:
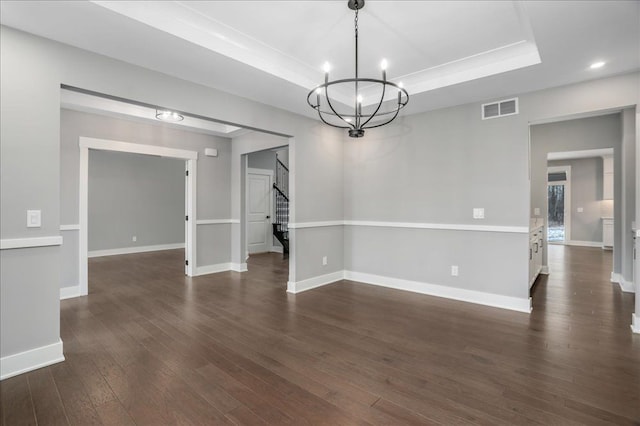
column 359, row 99
column 383, row 66
column 326, row 67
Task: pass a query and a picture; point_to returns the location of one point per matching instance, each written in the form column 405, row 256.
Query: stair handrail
column 282, row 164
column 280, row 191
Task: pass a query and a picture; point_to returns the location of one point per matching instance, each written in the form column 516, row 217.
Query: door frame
column 567, row 201
column 190, row 158
column 265, row 172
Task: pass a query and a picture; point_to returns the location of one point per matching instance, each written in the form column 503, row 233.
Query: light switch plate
column 580, row 209
column 34, row 218
column 478, row 213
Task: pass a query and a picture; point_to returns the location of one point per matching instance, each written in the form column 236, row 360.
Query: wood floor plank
column 47, row 404
column 17, row 406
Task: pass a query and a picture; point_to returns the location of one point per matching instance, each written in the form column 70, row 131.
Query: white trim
column 464, row 295
column 635, row 323
column 221, row 267
column 239, row 267
column 212, row 269
column 216, row 221
column 414, row 225
column 302, row 225
column 32, row 359
column 190, row 158
column 70, row 292
column 74, row 227
column 137, row 249
column 544, row 270
column 625, row 286
column 584, row 243
column 314, row 282
column 18, row 243
column 136, row 148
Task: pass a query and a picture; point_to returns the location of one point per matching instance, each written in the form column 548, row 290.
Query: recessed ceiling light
column 597, row 65
column 165, row 115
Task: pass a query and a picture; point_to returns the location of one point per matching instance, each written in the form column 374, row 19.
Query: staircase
column 281, row 194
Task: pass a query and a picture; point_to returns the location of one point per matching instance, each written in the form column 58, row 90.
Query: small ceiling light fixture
column 357, row 121
column 596, row 65
column 166, row 115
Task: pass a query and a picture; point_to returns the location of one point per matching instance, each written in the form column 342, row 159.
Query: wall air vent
column 500, row 108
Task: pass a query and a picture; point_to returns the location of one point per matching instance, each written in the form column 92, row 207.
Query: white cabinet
column 607, row 233
column 536, row 245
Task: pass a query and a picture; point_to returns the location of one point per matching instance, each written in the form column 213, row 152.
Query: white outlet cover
column 34, row 218
column 478, row 213
column 536, row 211
column 454, row 270
column 580, row 209
column 324, row 260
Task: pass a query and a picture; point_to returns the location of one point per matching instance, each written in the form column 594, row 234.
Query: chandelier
column 357, row 120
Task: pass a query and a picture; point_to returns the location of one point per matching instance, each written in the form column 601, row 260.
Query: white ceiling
column 446, row 53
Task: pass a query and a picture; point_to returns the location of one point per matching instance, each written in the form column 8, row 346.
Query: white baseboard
column 33, row 359
column 635, row 323
column 138, row 249
column 276, row 249
column 70, row 292
column 212, row 269
column 544, row 270
column 584, row 243
column 625, row 286
column 239, row 267
column 309, row 283
column 464, row 295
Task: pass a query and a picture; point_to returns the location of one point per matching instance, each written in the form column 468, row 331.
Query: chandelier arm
column 326, row 95
column 330, row 124
column 384, row 89
column 399, row 107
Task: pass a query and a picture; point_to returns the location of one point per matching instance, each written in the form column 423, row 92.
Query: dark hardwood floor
column 151, row 347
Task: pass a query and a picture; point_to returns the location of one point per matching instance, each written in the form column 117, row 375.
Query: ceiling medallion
column 357, row 120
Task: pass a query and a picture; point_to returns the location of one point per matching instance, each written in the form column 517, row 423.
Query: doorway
column 189, row 158
column 558, row 204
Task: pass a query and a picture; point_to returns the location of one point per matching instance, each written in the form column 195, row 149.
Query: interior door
column 258, row 212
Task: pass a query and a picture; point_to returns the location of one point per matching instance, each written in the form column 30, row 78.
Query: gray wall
column 586, row 192
column 262, row 160
column 135, row 195
column 32, row 69
column 574, row 135
column 213, row 185
column 435, row 168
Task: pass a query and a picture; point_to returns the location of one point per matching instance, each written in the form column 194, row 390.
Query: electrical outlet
column 134, row 238
column 324, row 260
column 580, row 209
column 536, row 211
column 478, row 213
column 454, row 270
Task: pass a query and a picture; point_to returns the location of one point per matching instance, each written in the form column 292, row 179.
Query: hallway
column 150, row 346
